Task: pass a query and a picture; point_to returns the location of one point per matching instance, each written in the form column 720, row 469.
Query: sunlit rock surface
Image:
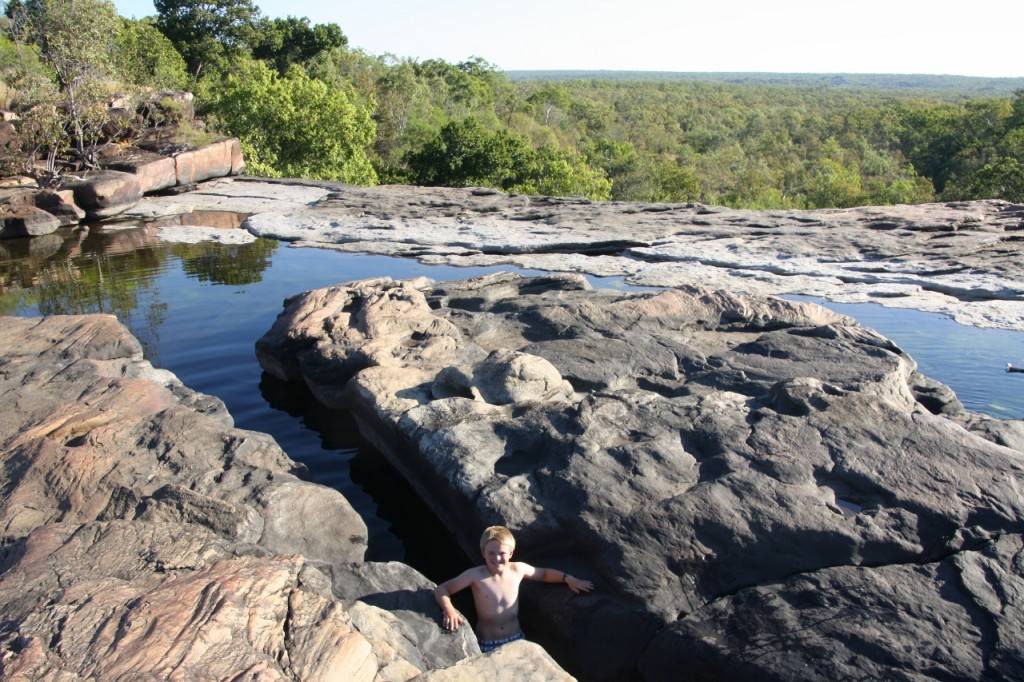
column 962, row 259
column 143, row 537
column 745, row 478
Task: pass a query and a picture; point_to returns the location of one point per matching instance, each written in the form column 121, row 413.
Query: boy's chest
column 500, row 593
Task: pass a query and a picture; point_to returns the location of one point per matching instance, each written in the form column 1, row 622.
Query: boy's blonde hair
column 500, row 533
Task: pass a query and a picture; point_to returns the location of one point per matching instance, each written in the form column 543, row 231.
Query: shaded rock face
column 26, row 221
column 142, row 537
column 26, row 212
column 717, row 456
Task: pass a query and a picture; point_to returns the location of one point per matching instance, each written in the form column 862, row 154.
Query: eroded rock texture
column 144, row 538
column 756, row 485
column 960, row 259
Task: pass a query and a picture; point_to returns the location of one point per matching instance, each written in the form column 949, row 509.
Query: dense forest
column 307, row 104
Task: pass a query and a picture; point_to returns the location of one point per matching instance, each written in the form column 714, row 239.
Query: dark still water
column 198, row 309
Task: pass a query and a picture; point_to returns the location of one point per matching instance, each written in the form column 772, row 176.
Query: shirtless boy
column 495, row 588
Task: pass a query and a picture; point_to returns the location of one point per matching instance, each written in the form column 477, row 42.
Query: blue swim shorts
column 488, row 647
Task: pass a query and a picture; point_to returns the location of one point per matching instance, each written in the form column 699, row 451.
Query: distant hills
column 967, row 86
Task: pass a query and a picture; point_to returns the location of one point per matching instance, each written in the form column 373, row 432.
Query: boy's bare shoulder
column 475, row 574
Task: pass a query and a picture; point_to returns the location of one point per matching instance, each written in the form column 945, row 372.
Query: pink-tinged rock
column 131, row 600
column 237, row 160
column 212, row 161
column 144, row 538
column 98, row 433
column 105, row 193
column 155, row 172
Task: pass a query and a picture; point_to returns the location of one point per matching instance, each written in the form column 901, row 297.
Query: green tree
column 293, row 126
column 42, row 133
column 833, row 185
column 549, row 101
column 464, row 154
column 283, row 42
column 207, row 32
column 1001, row 179
column 146, row 57
column 403, row 110
column 75, row 41
column 558, row 172
column 460, row 91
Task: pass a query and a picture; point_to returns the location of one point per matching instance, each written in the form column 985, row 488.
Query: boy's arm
column 552, row 575
column 450, row 617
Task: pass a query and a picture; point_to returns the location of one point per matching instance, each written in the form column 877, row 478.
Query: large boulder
column 21, row 217
column 60, row 204
column 715, row 445
column 26, row 221
column 65, row 461
column 154, row 171
column 105, row 193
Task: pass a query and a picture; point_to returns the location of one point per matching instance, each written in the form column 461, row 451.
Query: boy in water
column 496, row 590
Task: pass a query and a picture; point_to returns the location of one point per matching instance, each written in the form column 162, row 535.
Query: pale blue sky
column 974, row 38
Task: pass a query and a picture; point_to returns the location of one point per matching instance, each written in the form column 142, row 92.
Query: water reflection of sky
column 971, row 360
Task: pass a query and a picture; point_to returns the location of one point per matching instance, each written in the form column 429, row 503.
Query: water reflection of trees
column 118, row 273
column 229, row 264
column 123, row 285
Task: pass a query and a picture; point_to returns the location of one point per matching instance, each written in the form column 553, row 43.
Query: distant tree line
column 306, row 104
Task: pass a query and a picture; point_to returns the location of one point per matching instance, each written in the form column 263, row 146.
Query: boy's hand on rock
column 577, row 585
column 452, row 621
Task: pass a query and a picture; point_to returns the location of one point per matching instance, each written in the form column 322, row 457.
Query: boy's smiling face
column 496, row 556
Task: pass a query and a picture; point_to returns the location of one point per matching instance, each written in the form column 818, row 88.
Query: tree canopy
column 306, row 103
column 207, row 31
column 73, row 42
column 283, row 42
column 294, row 125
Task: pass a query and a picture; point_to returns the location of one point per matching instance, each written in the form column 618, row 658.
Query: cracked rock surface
column 761, row 489
column 960, row 259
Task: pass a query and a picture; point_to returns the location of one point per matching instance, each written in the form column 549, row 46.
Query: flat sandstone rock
column 961, row 259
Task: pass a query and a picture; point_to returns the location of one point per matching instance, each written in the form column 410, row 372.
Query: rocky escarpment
column 961, row 259
column 756, row 486
column 143, row 537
